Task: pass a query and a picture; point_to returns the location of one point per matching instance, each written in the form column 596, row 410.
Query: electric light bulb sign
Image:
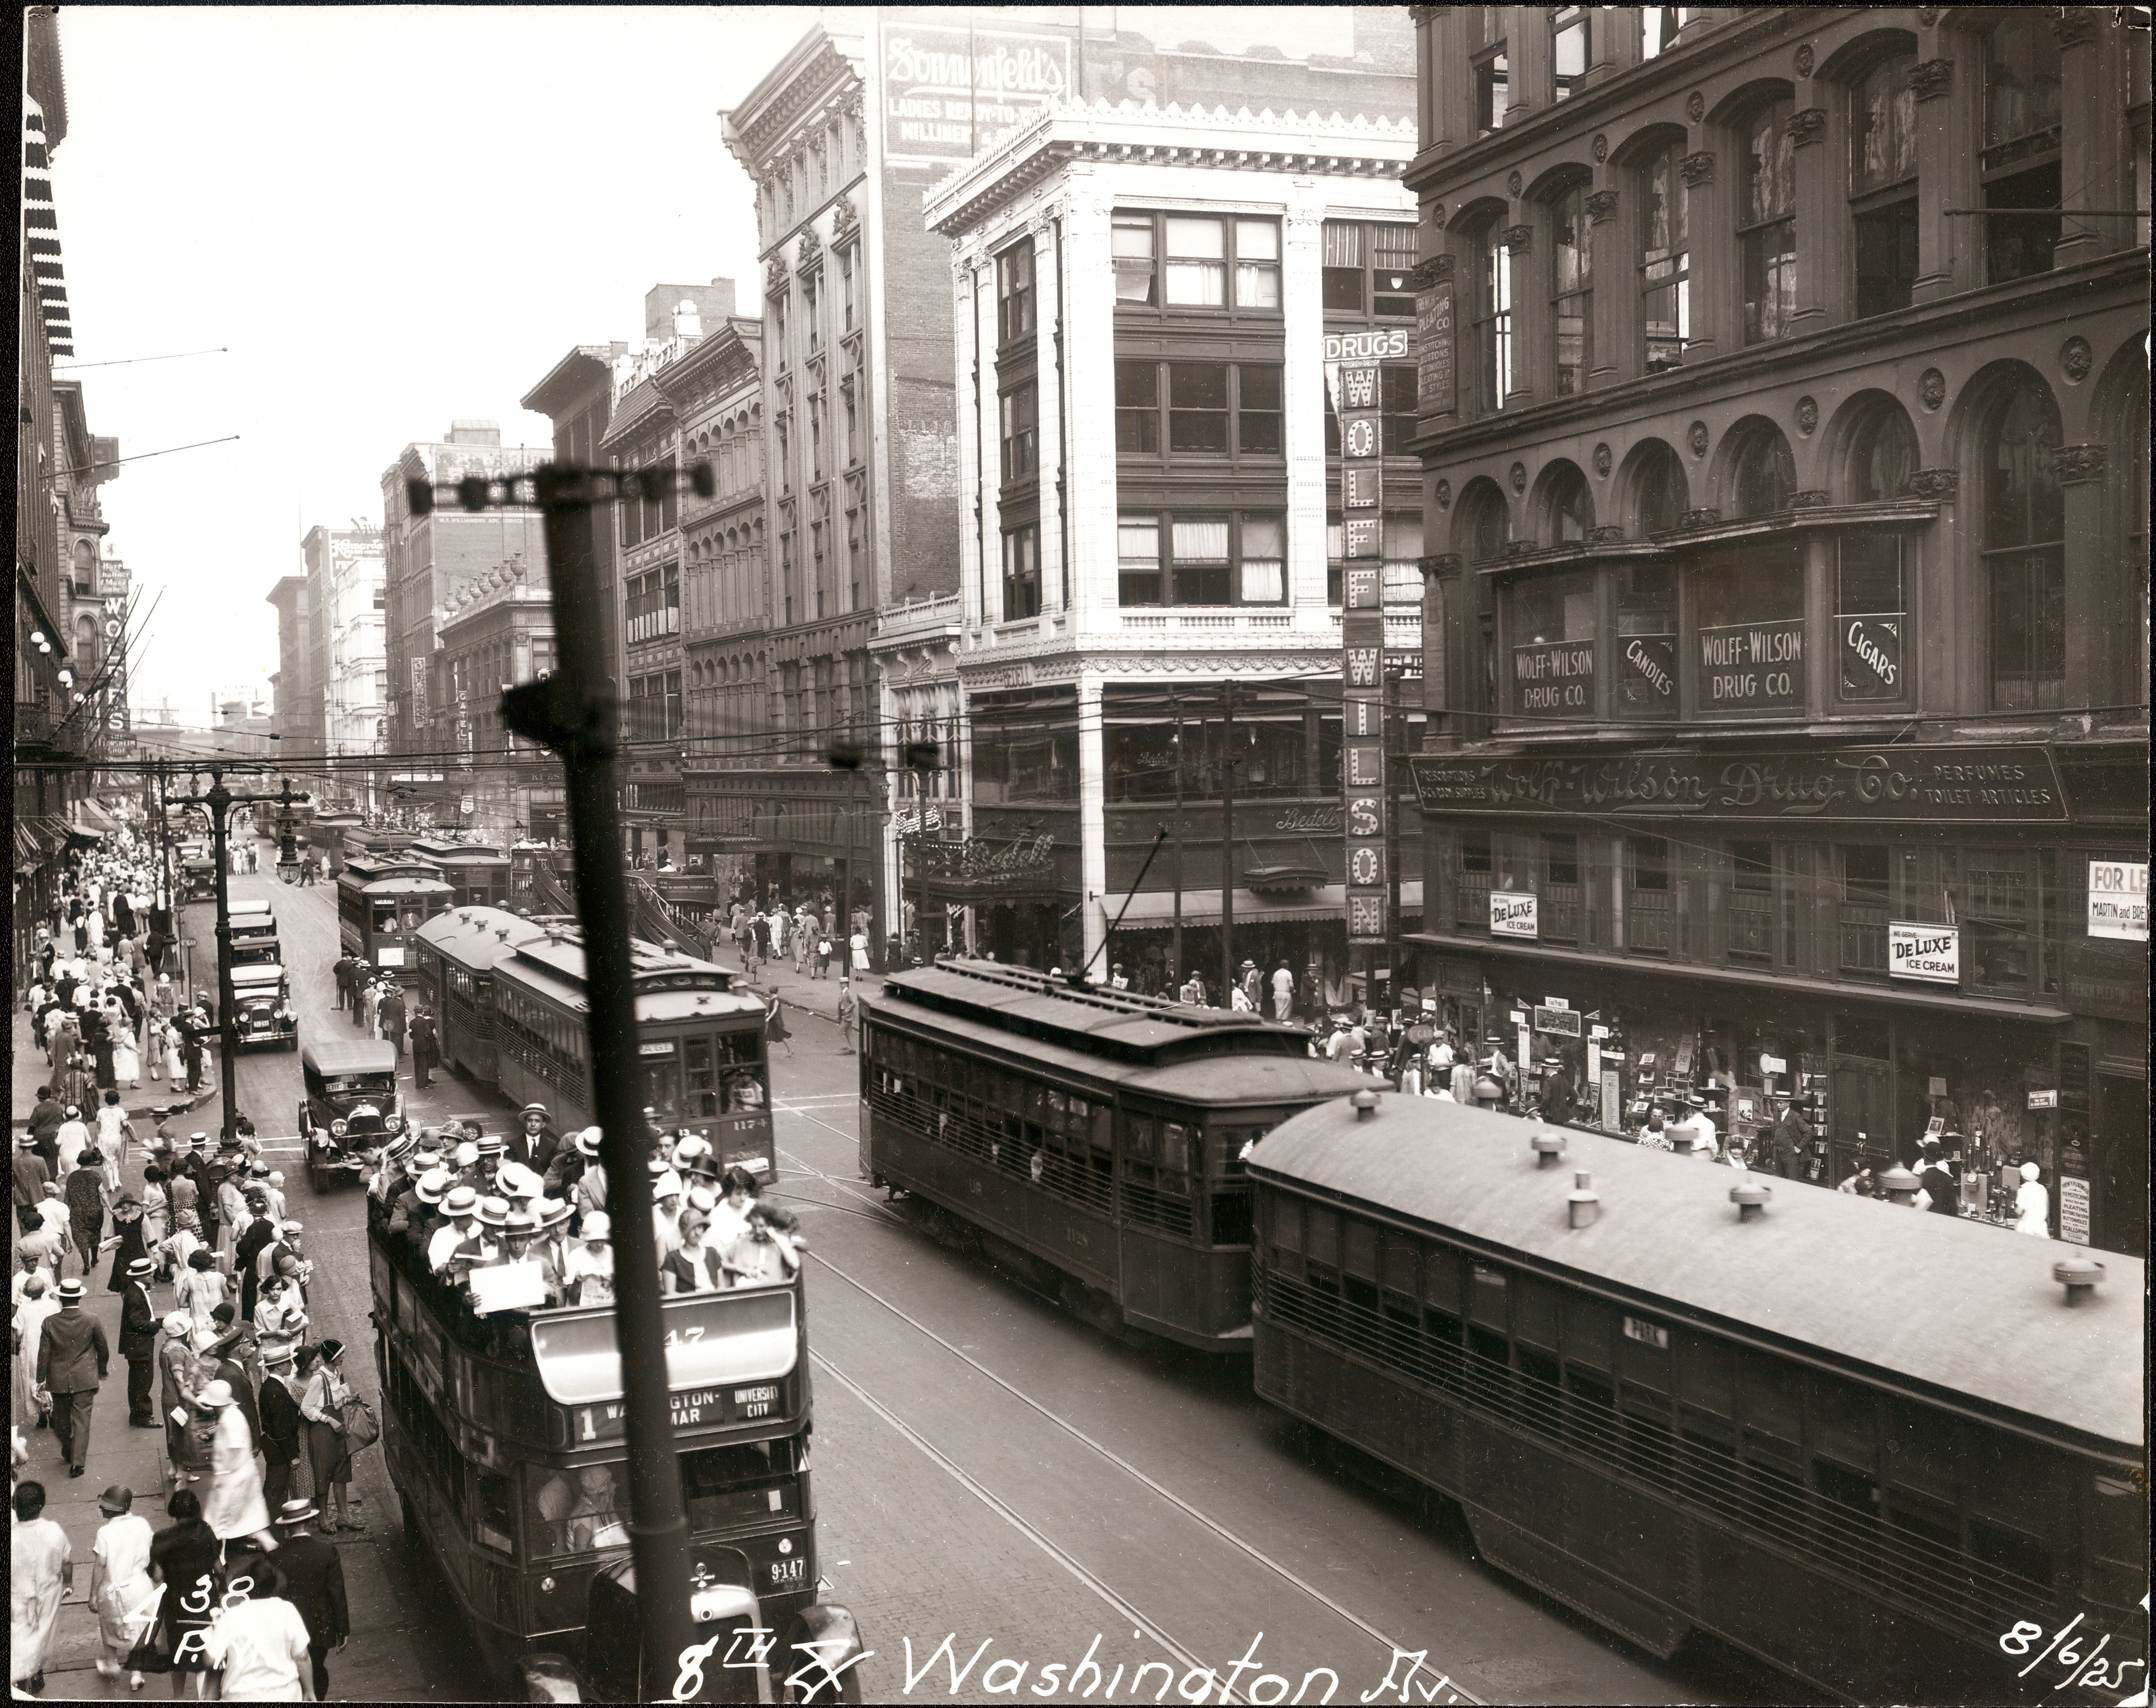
column 1350, row 371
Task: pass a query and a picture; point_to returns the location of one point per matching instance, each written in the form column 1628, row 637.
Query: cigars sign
column 1837, row 786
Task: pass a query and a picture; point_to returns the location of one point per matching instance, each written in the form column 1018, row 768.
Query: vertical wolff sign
column 1351, row 372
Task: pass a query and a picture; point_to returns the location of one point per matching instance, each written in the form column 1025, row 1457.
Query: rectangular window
column 1571, row 287
column 1568, row 51
column 1999, row 919
column 1344, row 273
column 1750, row 609
column 1402, row 583
column 1015, row 296
column 2028, row 628
column 1491, row 94
column 1132, row 244
column 1392, row 270
column 1554, row 625
column 1021, row 458
column 1021, row 573
column 1138, row 560
column 1264, row 564
column 1138, row 408
column 1493, row 319
column 1197, row 255
column 1766, row 225
column 1871, row 617
column 2021, row 159
column 1862, row 908
column 1197, row 406
column 1751, row 902
column 1646, row 641
column 1397, row 399
column 1665, row 259
column 1257, row 264
column 1258, row 409
column 1199, row 548
column 1647, row 922
column 1658, row 28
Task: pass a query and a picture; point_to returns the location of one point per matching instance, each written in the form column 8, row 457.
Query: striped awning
column 41, row 232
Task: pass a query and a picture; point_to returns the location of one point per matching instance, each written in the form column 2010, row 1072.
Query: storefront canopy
column 1154, row 909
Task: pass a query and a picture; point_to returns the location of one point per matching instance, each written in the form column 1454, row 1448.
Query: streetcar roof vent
column 1750, row 1195
column 1366, row 1105
column 1582, row 1205
column 1548, row 1147
column 2079, row 1275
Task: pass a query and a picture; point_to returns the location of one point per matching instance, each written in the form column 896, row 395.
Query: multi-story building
column 870, row 505
column 427, row 560
column 642, row 432
column 498, row 631
column 1785, row 467
column 347, row 565
column 299, row 697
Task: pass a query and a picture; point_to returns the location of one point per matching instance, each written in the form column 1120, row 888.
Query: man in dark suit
column 229, row 1355
column 426, row 1044
column 257, row 1233
column 341, row 971
column 138, row 1342
column 282, row 1425
column 391, row 1015
column 73, row 1358
column 313, row 1580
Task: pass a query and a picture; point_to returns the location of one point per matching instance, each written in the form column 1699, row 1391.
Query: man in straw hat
column 73, row 1358
column 283, row 1428
column 314, row 1576
column 138, row 1341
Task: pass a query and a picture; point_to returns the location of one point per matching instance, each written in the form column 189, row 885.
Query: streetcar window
column 1706, row 1372
column 1933, row 1522
column 1922, row 1449
column 494, row 1511
column 1397, row 1261
column 700, row 1080
column 2011, row 1551
column 1141, row 1140
column 662, row 1087
column 1843, row 1419
column 1709, row 1443
column 1324, row 1229
column 745, row 1483
column 1360, row 1259
column 743, row 1091
column 1648, row 1436
column 1175, row 1146
column 1537, row 1375
column 1486, row 1304
column 385, row 916
column 1852, row 1489
column 1534, row 1312
column 1590, row 1411
column 1440, row 1278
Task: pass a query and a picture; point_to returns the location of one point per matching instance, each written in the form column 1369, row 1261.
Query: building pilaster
column 1302, row 400
column 1049, row 295
column 1089, row 347
column 1092, row 816
column 1820, row 250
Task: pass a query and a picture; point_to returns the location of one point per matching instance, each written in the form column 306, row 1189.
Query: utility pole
column 573, row 713
column 1227, row 841
column 1175, row 965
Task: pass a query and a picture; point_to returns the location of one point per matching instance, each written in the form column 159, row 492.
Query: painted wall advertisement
column 1554, row 678
column 2118, row 899
column 1434, row 350
column 1930, row 953
column 950, row 92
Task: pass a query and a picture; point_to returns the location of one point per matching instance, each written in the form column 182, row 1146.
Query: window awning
column 1154, row 909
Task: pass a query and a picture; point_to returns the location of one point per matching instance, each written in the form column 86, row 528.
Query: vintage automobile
column 351, row 1103
column 815, row 1657
column 251, row 918
column 198, row 878
column 256, row 951
column 261, row 1006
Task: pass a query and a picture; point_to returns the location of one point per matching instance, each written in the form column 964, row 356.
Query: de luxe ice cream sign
column 1931, row 953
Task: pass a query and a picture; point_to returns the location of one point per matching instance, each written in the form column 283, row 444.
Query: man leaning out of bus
column 768, row 1251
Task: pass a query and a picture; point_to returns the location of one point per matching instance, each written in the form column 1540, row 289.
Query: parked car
column 198, row 878
column 262, row 1005
column 350, row 1102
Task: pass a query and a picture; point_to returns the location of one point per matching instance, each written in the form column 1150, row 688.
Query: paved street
column 990, row 1470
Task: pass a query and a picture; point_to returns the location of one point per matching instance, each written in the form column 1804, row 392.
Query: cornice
column 817, row 75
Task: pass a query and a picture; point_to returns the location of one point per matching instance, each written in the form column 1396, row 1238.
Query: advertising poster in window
column 1753, row 667
column 1928, row 953
column 1647, row 676
column 1871, row 658
column 2118, row 899
column 950, row 92
column 1434, row 349
column 1554, row 678
column 1514, row 914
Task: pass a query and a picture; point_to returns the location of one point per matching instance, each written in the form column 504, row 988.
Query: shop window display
column 1750, row 637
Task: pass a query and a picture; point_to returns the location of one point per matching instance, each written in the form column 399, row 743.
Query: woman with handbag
column 120, row 1591
column 184, row 1561
column 323, row 1396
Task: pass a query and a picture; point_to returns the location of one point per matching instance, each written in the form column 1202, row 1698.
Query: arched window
column 2025, row 526
column 2021, row 161
column 86, row 566
column 1572, row 289
column 1766, row 223
column 1763, row 477
column 1882, row 184
column 1481, row 526
column 1882, row 456
column 1493, row 316
column 1660, row 492
column 1665, row 257
column 85, row 648
column 1568, row 512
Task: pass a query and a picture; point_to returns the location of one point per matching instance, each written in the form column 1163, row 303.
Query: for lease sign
column 1931, row 953
column 2118, row 899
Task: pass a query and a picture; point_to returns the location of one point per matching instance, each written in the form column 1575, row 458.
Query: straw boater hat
column 297, row 1512
column 141, row 1270
column 280, row 1351
column 587, row 1141
column 598, row 1227
column 431, row 1185
column 490, row 1145
column 549, row 1214
column 493, row 1212
column 461, row 1202
column 69, row 1293
column 520, row 1225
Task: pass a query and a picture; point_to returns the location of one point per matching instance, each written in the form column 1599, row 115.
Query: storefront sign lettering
column 1434, row 347
column 1560, row 1021
column 2073, row 1210
column 1513, row 915
column 1647, row 684
column 1352, row 374
column 1390, row 345
column 2043, row 1100
column 1554, row 680
column 1850, row 785
column 1931, row 953
column 950, row 93
column 1871, row 658
column 2107, row 979
column 2118, row 899
column 1308, row 821
column 1747, row 667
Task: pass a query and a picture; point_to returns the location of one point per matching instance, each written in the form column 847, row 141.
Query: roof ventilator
column 1366, row 1105
column 1581, row 1204
column 2080, row 1275
column 1548, row 1148
column 1750, row 1195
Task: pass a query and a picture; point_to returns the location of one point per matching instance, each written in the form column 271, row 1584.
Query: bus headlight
column 392, row 1123
column 336, row 1127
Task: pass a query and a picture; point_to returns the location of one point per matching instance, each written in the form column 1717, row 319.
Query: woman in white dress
column 120, row 1586
column 2032, row 1203
column 232, row 1500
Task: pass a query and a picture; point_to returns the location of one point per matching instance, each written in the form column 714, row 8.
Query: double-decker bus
column 478, row 871
column 700, row 1043
column 1895, row 1453
column 456, row 954
column 1095, row 1136
column 381, row 904
column 505, row 1438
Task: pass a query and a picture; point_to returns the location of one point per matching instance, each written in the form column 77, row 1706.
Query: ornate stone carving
column 1932, row 484
column 1697, row 169
column 2076, row 359
column 774, row 277
column 1804, row 60
column 1518, row 475
column 1695, row 106
column 1514, row 184
column 845, row 224
column 1810, row 498
column 2078, row 463
column 1930, row 79
column 1931, row 388
column 1605, row 534
column 1442, row 564
column 1807, row 416
column 1928, row 15
column 2074, row 25
column 1522, row 548
column 1602, row 206
column 1600, row 148
column 1602, row 459
column 809, row 253
column 1429, row 273
column 1707, row 516
column 1807, row 125
column 1437, row 215
column 1697, row 439
column 1442, row 492
column 1517, row 238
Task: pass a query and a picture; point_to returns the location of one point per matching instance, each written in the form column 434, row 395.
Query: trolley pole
column 570, row 713
column 1175, row 959
column 1228, row 842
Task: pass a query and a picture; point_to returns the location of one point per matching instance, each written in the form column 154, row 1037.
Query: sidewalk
column 31, row 1070
column 817, row 997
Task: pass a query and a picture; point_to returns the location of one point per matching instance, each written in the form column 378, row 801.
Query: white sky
column 354, row 201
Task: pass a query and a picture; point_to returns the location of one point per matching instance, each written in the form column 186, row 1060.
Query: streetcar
column 456, row 952
column 380, row 903
column 376, row 842
column 478, row 871
column 526, row 859
column 1094, row 1136
column 330, row 830
column 701, row 1058
column 1872, row 1447
column 505, row 1438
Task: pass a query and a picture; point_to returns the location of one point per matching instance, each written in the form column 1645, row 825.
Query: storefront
column 1892, row 939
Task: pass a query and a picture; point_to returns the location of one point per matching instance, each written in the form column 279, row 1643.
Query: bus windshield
column 584, row 1511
